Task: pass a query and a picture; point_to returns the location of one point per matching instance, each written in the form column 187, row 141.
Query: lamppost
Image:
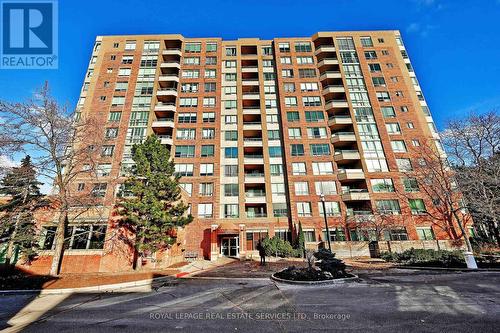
column 322, row 196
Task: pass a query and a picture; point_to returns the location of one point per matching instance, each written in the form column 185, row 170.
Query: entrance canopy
column 227, row 228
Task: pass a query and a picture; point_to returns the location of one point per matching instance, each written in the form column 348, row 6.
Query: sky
column 454, row 45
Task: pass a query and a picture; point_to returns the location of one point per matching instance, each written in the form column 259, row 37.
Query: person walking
column 262, row 253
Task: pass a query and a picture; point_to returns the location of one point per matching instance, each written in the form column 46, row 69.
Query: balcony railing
column 164, row 119
column 167, row 89
column 254, row 174
column 251, row 214
column 253, row 156
column 252, row 139
column 254, row 194
column 355, row 190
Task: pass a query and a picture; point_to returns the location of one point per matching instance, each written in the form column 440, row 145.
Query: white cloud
column 7, row 163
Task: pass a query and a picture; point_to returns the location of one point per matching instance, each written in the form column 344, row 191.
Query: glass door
column 234, row 246
column 224, row 246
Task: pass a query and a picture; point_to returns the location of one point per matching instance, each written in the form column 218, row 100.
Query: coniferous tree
column 154, row 210
column 301, row 240
column 17, row 225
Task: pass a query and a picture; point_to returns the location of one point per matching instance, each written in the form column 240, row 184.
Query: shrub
column 328, row 263
column 276, row 246
column 423, row 257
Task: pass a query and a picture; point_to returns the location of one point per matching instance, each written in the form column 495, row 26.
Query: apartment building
column 262, row 131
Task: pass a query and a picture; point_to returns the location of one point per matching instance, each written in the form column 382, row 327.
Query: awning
column 227, row 228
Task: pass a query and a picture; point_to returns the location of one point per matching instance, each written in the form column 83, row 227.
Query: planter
column 352, row 278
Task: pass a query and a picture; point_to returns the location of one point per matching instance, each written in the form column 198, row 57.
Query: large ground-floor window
column 253, row 238
column 77, row 237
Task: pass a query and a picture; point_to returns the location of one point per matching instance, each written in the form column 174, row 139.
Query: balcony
column 167, row 92
column 339, row 121
column 166, row 139
column 330, row 75
column 343, row 137
column 252, row 142
column 328, row 61
column 251, row 110
column 355, row 195
column 360, row 215
column 254, row 177
column 169, row 77
column 336, row 103
column 346, row 155
column 252, row 125
column 250, row 81
column 170, row 64
column 249, row 69
column 331, row 89
column 163, row 123
column 165, row 106
column 172, row 51
column 324, row 48
column 350, row 174
column 253, row 159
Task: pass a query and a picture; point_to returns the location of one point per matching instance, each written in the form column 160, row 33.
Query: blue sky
column 454, row 45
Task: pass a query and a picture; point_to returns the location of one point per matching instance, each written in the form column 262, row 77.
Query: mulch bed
column 250, row 269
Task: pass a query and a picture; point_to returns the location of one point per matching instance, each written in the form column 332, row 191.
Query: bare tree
column 63, row 149
column 433, row 193
column 473, row 145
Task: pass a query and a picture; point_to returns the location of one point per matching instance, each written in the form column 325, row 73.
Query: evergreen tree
column 17, row 225
column 154, row 211
column 301, row 240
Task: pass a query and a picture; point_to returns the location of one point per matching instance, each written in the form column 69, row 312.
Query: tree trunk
column 138, row 261
column 464, row 234
column 10, row 248
column 59, row 244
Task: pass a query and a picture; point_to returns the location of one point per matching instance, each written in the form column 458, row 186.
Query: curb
column 450, row 269
column 354, row 278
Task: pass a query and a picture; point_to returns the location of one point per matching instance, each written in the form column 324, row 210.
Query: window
column 231, row 211
column 230, row 119
column 231, row 104
column 186, row 134
column 272, row 119
column 124, row 72
column 398, row 146
column 99, row 190
column 231, row 190
column 294, row 133
column 301, row 188
column 81, row 187
column 210, row 86
column 184, row 151
column 267, row 63
column 370, row 55
column 184, row 170
column 205, row 210
column 388, row 206
column 311, row 101
column 114, row 116
column 210, row 73
column 304, row 209
column 393, row 128
column 325, row 188
column 117, row 100
column 298, row 169
column 297, row 149
column 378, row 81
column 284, row 47
column 396, row 234
column 103, row 170
column 208, row 117
column 127, row 59
column 211, row 60
column 267, row 50
column 309, row 236
column 206, row 169
column 417, row 206
column 278, row 188
column 231, row 51
column 269, row 90
column 314, row 116
column 410, row 125
column 254, row 237
column 188, row 187
column 404, row 108
column 208, row 102
column 111, row 133
column 316, row 132
column 191, row 60
column 274, row 151
column 81, row 237
column 231, row 135
column 322, row 168
column 388, row 111
column 191, row 73
column 188, row 102
column 231, row 152
column 276, row 169
column 375, row 68
column 107, row 150
column 287, row 73
column 285, row 60
column 332, row 208
column 319, row 149
column 211, row 47
column 307, row 73
column 410, row 184
column 271, row 103
column 289, row 87
column 305, row 60
column 404, row 164
column 383, row 96
column 121, row 86
column 366, row 41
column 425, row 233
column 425, row 110
column 187, row 118
column 206, row 189
column 302, row 47
column 207, row 150
column 189, row 87
column 292, row 116
column 231, row 170
column 310, row 86
column 382, row 185
column 415, row 143
column 192, row 48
